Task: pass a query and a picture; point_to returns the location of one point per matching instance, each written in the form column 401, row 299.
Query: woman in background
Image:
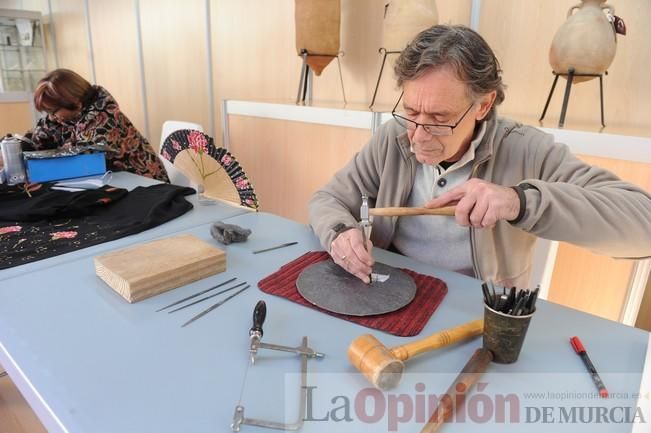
column 80, row 113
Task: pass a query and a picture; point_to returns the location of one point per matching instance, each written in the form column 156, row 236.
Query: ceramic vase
column 317, row 31
column 404, row 19
column 586, row 41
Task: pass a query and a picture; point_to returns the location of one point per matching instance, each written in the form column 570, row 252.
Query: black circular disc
column 328, row 286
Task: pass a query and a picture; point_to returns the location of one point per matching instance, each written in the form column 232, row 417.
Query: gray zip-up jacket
column 571, row 201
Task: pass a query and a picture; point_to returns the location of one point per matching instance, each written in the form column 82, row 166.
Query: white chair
column 170, row 126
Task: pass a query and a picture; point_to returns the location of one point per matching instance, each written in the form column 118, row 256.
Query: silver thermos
column 12, row 155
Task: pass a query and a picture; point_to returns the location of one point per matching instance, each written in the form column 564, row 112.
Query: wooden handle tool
column 411, row 211
column 383, row 367
column 456, row 393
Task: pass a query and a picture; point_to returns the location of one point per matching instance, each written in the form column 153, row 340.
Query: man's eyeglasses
column 432, row 129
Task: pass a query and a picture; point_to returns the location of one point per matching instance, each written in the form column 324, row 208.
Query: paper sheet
column 90, row 183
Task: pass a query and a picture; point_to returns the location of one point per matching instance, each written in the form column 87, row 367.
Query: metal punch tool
column 365, row 221
column 366, row 224
column 304, row 351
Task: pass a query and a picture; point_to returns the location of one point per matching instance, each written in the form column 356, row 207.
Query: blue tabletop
column 90, row 362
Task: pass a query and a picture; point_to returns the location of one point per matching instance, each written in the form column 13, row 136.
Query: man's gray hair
column 460, row 47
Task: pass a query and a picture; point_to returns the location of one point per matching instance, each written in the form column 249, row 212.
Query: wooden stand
column 570, row 77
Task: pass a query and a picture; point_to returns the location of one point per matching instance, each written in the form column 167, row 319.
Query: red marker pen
column 580, row 350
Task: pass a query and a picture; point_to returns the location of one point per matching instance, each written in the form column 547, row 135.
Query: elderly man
column 510, row 182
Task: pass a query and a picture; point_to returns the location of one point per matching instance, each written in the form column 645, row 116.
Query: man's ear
column 486, row 103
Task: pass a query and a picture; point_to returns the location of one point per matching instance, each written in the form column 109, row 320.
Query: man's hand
column 479, row 203
column 347, row 250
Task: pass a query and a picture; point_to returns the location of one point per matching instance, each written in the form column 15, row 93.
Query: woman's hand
column 347, row 250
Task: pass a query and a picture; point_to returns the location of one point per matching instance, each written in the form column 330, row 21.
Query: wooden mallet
column 383, row 367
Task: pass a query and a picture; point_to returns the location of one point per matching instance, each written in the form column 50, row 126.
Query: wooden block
column 145, row 270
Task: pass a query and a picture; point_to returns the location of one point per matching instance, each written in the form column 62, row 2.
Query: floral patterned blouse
column 102, row 122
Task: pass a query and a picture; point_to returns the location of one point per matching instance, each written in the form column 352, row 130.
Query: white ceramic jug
column 586, row 41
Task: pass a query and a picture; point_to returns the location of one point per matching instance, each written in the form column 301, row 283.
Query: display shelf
column 22, row 55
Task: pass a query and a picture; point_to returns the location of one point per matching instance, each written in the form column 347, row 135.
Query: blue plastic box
column 65, row 167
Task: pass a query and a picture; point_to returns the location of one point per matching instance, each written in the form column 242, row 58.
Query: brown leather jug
column 586, row 41
column 404, row 19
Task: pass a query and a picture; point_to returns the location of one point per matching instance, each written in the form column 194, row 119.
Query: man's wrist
column 522, row 197
column 523, row 204
column 340, row 228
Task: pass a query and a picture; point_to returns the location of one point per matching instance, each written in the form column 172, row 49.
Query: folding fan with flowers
column 194, row 153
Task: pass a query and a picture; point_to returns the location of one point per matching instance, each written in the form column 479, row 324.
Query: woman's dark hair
column 62, row 88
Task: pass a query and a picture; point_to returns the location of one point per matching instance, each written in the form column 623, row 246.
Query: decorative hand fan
column 194, row 153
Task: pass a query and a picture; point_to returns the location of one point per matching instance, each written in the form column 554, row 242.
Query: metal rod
column 341, row 80
column 196, row 294
column 549, row 98
column 264, row 250
column 209, row 71
column 601, row 98
column 566, row 98
column 475, row 14
column 207, row 297
column 226, row 135
column 300, row 98
column 379, row 77
column 89, row 36
column 208, row 310
column 299, row 350
column 306, row 83
column 141, row 70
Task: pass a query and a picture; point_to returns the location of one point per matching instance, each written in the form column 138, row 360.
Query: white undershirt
column 437, row 240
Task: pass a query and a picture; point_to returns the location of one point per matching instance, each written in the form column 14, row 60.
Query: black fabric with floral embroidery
column 39, row 222
column 101, row 122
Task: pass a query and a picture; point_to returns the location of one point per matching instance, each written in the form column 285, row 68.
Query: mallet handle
column 440, row 339
column 456, row 393
column 411, row 211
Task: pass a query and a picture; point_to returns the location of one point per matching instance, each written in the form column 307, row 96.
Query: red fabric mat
column 405, row 322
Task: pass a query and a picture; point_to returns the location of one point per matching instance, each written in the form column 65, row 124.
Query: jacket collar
column 486, row 147
column 403, row 144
